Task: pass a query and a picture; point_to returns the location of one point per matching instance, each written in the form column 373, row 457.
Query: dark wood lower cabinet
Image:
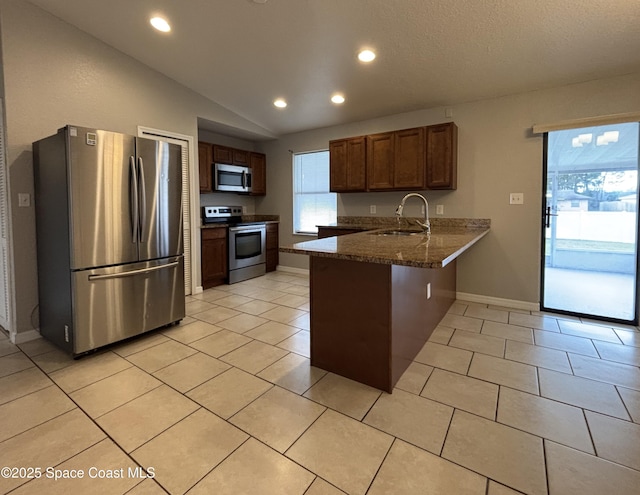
column 272, row 246
column 214, row 257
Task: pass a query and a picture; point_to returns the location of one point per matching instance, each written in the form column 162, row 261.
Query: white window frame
column 295, row 194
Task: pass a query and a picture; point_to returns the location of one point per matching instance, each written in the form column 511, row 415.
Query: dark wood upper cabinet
column 409, row 159
column 205, row 160
column 347, row 163
column 380, row 158
column 257, row 163
column 442, row 156
column 240, row 157
column 222, row 154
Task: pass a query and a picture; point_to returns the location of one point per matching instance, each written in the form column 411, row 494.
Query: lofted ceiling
column 243, row 54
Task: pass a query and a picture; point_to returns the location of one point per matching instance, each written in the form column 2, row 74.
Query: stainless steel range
column 247, row 242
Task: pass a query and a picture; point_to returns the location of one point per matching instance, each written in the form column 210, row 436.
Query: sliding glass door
column 590, row 222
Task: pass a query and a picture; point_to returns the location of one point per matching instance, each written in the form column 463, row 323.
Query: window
column 313, row 204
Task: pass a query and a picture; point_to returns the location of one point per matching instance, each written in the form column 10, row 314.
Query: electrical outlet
column 516, row 198
column 439, row 209
column 372, row 209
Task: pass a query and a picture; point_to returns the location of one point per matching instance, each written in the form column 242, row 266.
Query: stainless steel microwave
column 231, row 178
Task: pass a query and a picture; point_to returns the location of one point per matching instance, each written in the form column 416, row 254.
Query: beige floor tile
column 303, row 322
column 461, row 322
column 562, row 342
column 242, row 323
column 606, row 371
column 140, row 343
column 220, row 343
column 545, row 418
column 138, row 421
column 504, row 372
column 572, row 472
column 417, row 420
column 588, row 331
column 499, row 452
column 321, row 487
column 628, row 337
column 51, row 361
column 507, row 331
column 278, row 418
column 32, row 410
column 256, row 307
column 188, row 450
column 102, row 456
column 342, row 450
column 346, row 396
column 22, row 383
column 159, row 356
column 13, row 363
column 254, row 356
column 6, row 348
column 103, row 396
column 229, row 392
column 408, row 470
column 217, row 314
column 531, row 321
column 476, row 342
column 445, row 357
column 483, row 313
column 581, row 392
column 291, row 300
column 300, row 343
column 463, row 392
column 232, row 300
column 625, row 354
column 147, row 487
column 187, row 333
column 48, row 444
column 538, row 356
column 88, row 370
column 197, row 306
column 272, row 332
column 255, row 468
column 458, row 308
column 441, row 335
column 212, row 295
column 283, row 314
column 267, row 294
column 615, row 440
column 414, row 378
column 191, row 372
column 37, row 347
column 498, row 489
column 631, row 399
column 293, row 372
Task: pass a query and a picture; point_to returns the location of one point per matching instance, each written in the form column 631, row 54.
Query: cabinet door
column 258, row 164
column 380, row 154
column 240, row 157
column 214, row 257
column 347, row 163
column 272, row 244
column 222, row 154
column 409, row 159
column 442, row 156
column 204, row 166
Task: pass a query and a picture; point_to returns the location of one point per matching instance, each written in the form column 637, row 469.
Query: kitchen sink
column 399, row 232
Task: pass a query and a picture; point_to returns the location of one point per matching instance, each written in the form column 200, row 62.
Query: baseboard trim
column 290, row 269
column 498, row 301
column 199, row 290
column 22, row 337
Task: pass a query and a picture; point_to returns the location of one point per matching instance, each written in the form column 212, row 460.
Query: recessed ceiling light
column 366, row 56
column 160, row 24
column 338, row 99
column 280, row 103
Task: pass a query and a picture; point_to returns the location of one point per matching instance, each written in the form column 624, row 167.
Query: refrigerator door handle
column 142, row 214
column 133, row 199
column 131, row 273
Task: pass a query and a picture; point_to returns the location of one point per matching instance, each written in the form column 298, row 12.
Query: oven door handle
column 247, row 230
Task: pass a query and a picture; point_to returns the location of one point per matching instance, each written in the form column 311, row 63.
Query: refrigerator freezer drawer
column 112, row 304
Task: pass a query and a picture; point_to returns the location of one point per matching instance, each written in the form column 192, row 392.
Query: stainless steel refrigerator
column 109, row 236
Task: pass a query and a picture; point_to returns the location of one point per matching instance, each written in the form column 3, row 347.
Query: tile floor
column 498, row 402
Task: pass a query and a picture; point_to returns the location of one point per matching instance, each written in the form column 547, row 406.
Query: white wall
column 497, row 154
column 55, row 75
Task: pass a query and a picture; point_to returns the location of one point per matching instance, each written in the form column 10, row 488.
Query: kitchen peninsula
column 377, row 295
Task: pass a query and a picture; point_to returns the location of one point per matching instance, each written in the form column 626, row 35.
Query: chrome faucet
column 426, row 225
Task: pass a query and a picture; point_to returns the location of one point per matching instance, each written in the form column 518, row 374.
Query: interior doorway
column 590, row 222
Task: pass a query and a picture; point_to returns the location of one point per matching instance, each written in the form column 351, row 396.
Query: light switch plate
column 516, row 198
column 372, row 209
column 439, row 209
